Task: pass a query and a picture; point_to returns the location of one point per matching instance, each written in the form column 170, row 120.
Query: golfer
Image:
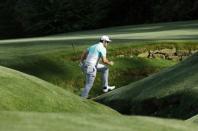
column 90, row 64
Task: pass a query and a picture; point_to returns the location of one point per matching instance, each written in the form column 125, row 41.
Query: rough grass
column 58, row 64
column 21, row 121
column 169, row 93
column 21, row 92
column 54, row 59
column 127, row 70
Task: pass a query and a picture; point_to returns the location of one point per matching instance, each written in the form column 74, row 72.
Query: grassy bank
column 169, row 93
column 21, row 92
column 21, row 121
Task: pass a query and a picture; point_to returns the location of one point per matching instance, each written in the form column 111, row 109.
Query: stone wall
column 169, row 54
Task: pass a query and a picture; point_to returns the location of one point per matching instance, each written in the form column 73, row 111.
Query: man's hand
column 106, row 61
column 111, row 63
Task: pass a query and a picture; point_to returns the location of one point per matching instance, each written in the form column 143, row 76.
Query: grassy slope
column 194, row 119
column 44, row 54
column 21, row 92
column 53, row 59
column 58, row 64
column 20, row 121
column 170, row 93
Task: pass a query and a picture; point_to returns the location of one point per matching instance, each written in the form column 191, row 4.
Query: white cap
column 105, row 38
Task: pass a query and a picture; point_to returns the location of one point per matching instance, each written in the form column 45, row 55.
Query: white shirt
column 95, row 52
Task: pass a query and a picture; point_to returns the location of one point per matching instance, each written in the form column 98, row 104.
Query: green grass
column 58, row 64
column 194, row 119
column 52, row 58
column 170, row 93
column 24, row 96
column 21, row 92
column 127, row 70
column 21, row 121
column 162, row 31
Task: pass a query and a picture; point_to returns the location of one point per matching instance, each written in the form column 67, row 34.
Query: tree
column 42, row 17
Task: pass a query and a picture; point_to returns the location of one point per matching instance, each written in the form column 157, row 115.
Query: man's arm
column 83, row 56
column 106, row 61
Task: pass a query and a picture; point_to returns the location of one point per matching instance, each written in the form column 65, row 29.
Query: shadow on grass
column 171, row 93
column 182, row 105
column 41, row 67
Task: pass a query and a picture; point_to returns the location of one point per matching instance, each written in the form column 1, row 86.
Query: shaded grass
column 55, row 58
column 170, row 93
column 127, row 70
column 21, row 92
column 58, row 62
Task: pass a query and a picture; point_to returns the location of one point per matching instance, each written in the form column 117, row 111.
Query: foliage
column 41, row 17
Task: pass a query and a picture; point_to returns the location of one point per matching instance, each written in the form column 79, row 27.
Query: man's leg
column 105, row 74
column 90, row 77
column 105, row 77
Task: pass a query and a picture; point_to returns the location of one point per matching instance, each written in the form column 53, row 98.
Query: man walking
column 90, row 65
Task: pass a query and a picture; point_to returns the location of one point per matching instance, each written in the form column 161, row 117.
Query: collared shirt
column 95, row 53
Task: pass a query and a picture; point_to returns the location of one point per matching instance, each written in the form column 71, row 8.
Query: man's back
column 94, row 53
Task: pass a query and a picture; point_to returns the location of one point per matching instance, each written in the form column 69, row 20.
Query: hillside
column 21, row 92
column 28, row 103
column 56, row 58
column 21, row 121
column 194, row 119
column 170, row 93
column 40, row 76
